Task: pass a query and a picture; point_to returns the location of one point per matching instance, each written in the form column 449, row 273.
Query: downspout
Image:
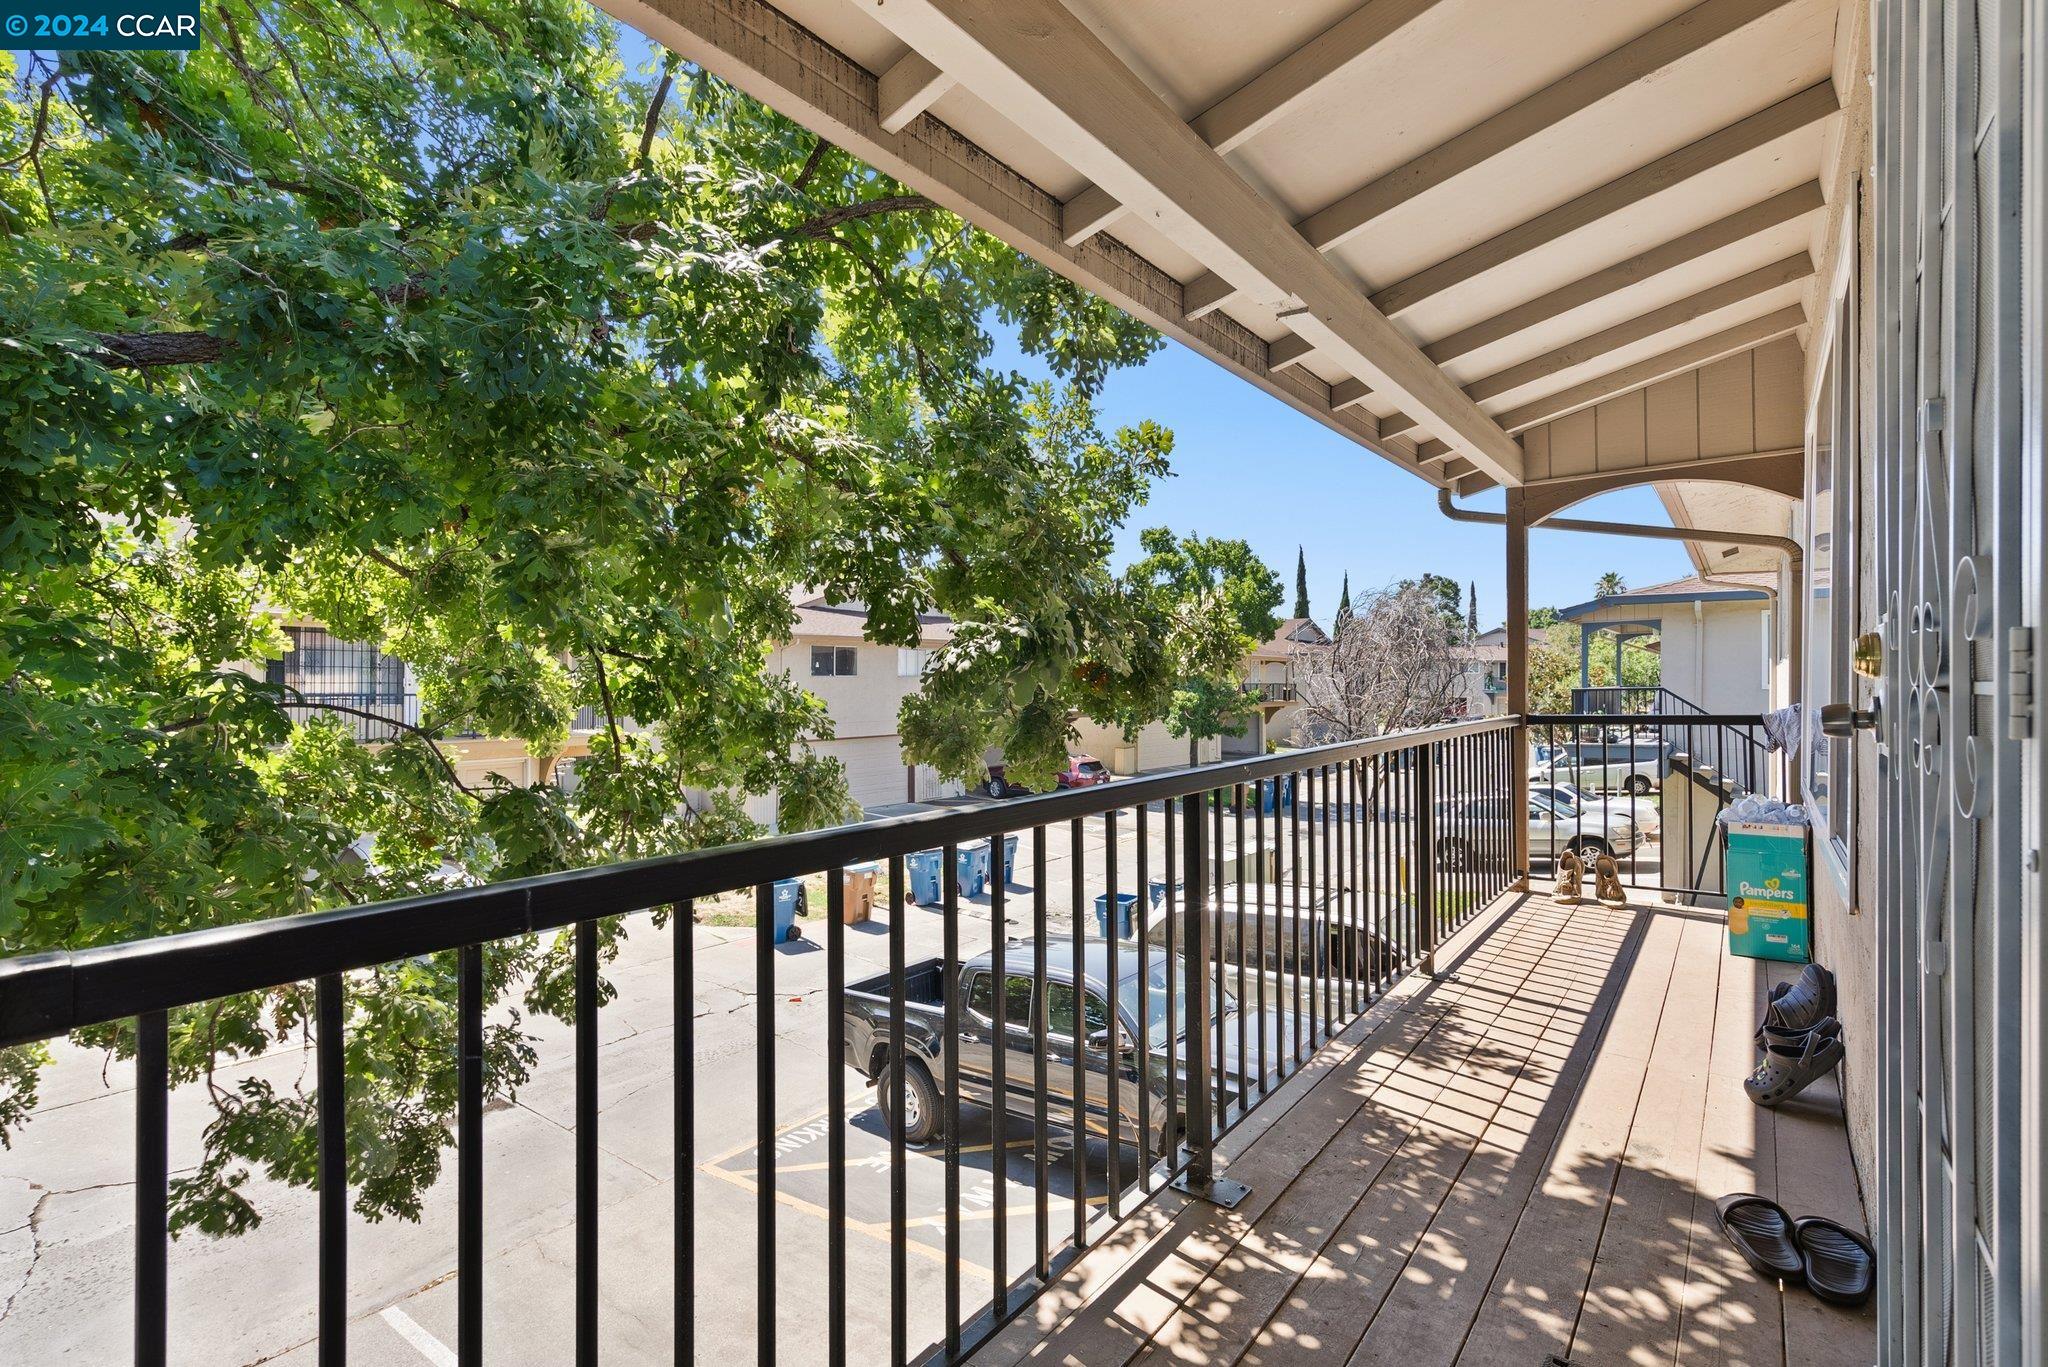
column 1784, row 545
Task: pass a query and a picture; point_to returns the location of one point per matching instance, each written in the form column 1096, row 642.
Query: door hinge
column 2019, row 683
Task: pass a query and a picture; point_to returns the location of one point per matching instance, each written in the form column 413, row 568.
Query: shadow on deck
column 1514, row 1163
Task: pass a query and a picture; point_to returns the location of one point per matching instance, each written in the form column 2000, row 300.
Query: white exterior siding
column 875, row 772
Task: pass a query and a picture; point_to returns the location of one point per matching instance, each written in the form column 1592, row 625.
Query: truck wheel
column 920, row 1121
column 1639, row 784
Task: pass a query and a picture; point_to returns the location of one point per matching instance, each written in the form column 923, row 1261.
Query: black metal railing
column 1282, row 895
column 1653, row 700
column 1276, row 692
column 1646, row 789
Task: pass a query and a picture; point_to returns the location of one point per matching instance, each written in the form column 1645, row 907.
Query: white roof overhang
column 1441, row 227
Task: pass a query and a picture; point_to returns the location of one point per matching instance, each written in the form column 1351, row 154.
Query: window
column 827, row 661
column 1017, row 1009
column 319, row 665
column 1059, row 1009
column 1834, row 464
column 910, row 663
column 981, row 997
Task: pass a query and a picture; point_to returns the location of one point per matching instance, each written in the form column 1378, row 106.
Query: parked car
column 1628, row 766
column 1468, row 826
column 927, row 985
column 1641, row 810
column 997, row 784
column 1269, row 937
column 1083, row 771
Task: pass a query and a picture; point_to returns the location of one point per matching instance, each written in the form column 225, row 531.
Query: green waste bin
column 1766, row 870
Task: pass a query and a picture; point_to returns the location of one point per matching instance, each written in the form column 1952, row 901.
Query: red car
column 1082, row 771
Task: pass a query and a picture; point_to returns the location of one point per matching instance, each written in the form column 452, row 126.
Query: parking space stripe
column 408, row 1328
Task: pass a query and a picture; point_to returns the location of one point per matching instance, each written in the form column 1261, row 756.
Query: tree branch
column 147, row 350
column 668, row 75
column 811, row 165
column 823, row 224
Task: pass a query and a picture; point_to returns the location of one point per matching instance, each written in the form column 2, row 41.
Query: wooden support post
column 1518, row 678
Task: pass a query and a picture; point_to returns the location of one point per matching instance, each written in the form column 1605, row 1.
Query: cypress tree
column 1300, row 582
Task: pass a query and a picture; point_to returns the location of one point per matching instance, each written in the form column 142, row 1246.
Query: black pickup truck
column 927, row 982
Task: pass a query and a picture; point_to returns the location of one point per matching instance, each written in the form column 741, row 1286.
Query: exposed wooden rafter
column 1750, row 285
column 1040, row 67
column 1718, row 148
column 906, row 90
column 1703, row 351
column 1779, row 209
column 1664, row 46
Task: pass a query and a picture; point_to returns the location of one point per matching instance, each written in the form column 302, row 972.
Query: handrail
column 53, row 993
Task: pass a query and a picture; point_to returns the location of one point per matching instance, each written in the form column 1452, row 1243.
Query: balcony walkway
column 1517, row 1161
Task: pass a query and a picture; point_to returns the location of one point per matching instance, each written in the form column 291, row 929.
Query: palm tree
column 1610, row 584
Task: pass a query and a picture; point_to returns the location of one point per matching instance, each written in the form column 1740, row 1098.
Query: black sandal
column 1763, row 1234
column 1840, row 1264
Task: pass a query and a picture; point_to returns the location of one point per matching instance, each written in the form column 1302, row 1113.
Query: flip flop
column 1840, row 1264
column 1794, row 1062
column 1762, row 1233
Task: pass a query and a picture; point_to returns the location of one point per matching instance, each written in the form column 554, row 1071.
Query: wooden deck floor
column 1515, row 1162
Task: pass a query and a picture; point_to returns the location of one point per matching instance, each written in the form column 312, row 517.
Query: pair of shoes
column 1800, row 1004
column 1571, row 873
column 1833, row 1261
column 1607, row 881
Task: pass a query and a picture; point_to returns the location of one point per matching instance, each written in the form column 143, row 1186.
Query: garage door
column 874, row 768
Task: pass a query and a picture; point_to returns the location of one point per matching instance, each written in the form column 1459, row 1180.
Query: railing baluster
column 1040, row 1160
column 1110, row 985
column 469, row 1177
column 1256, row 861
column 152, row 1185
column 835, row 1114
column 332, row 1107
column 1143, row 909
column 1269, row 872
column 683, row 967
column 1075, row 836
column 1220, row 1022
column 949, row 980
column 586, row 1143
column 898, row 1075
column 999, row 1117
column 1297, row 947
column 1173, row 981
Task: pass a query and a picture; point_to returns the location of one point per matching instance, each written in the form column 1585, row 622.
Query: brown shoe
column 1607, row 881
column 1570, row 878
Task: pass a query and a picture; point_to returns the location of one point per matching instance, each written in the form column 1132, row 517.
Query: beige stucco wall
column 864, row 705
column 1845, row 884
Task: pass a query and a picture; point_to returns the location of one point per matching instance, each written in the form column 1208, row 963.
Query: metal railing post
column 1198, row 1177
column 1425, row 853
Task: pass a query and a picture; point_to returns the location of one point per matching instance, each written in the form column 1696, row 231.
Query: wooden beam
column 1789, row 271
column 1348, row 394
column 761, row 51
column 906, row 90
column 1736, row 227
column 1760, row 129
column 1287, row 350
column 1087, row 214
column 1633, row 62
column 1040, row 67
column 1204, row 295
column 1288, row 83
column 1728, row 341
column 1690, row 356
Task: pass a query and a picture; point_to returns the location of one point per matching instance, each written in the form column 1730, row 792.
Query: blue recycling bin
column 971, row 868
column 923, row 870
column 1009, row 860
column 789, row 900
column 1279, row 795
column 1126, row 906
column 1158, row 890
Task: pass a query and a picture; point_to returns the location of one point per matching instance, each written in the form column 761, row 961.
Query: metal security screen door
column 1947, row 424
